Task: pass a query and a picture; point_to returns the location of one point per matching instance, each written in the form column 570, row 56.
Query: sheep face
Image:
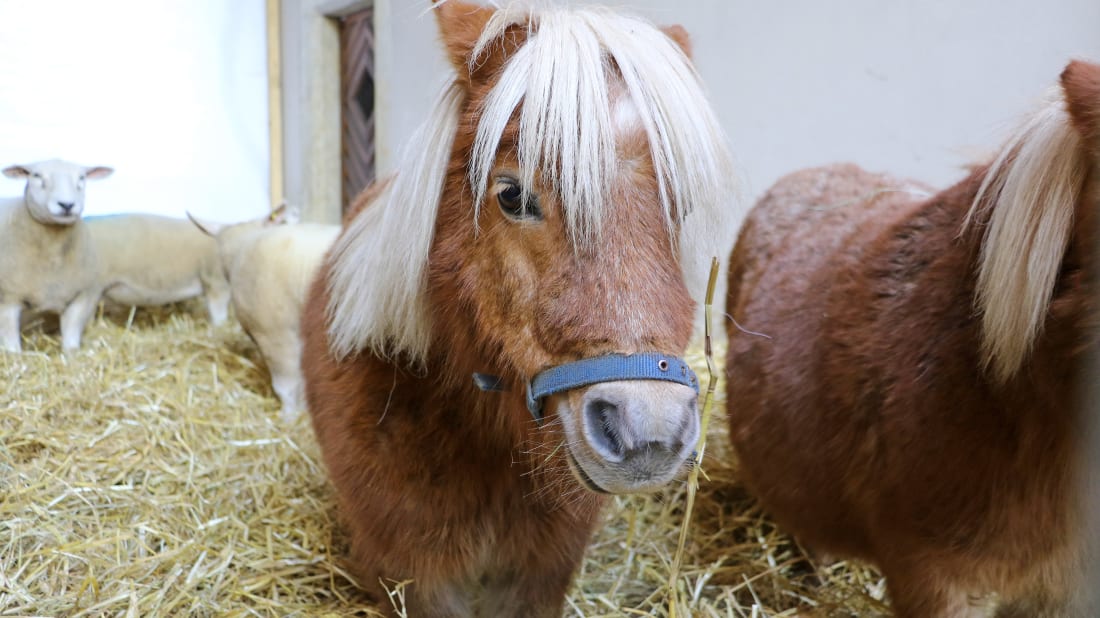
column 54, row 194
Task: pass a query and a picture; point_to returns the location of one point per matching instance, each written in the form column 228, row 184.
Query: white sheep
column 153, row 260
column 270, row 268
column 47, row 258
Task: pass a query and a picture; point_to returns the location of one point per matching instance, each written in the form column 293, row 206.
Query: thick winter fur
column 153, row 260
column 434, row 278
column 47, row 261
column 907, row 393
column 270, row 267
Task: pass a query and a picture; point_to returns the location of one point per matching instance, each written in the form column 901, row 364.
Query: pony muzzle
column 631, row 420
column 629, row 436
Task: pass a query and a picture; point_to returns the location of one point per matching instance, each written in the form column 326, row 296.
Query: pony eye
column 514, row 205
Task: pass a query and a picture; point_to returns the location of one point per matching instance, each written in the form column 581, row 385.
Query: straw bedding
column 148, row 475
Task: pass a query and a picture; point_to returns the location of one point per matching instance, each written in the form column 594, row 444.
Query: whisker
column 745, row 330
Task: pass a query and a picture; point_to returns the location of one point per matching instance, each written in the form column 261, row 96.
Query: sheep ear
column 277, row 216
column 210, row 228
column 16, row 171
column 283, row 214
column 98, row 171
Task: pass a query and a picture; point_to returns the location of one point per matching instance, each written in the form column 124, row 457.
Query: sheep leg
column 287, row 384
column 9, row 327
column 283, row 356
column 217, row 302
column 75, row 318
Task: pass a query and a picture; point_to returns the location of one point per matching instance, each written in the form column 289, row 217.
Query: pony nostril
column 603, row 422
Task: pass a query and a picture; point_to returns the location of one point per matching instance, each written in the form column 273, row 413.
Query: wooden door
column 357, row 102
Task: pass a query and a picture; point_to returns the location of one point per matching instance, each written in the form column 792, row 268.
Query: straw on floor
column 148, row 475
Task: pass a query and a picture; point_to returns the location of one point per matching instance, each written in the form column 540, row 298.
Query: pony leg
column 1035, row 607
column 436, row 600
column 539, row 595
column 535, row 580
column 915, row 593
column 9, row 327
column 1048, row 603
column 75, row 318
column 441, row 601
column 936, row 604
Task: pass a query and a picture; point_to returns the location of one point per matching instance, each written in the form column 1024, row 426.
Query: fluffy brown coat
column 453, row 489
column 859, row 405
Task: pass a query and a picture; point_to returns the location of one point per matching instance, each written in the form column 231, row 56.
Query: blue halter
column 607, row 368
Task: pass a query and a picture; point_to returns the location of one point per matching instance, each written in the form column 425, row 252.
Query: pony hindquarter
column 544, row 215
column 911, row 399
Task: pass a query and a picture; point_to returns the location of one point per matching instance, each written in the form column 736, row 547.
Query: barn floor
column 149, row 475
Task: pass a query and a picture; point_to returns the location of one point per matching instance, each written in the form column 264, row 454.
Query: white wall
column 914, row 88
column 172, row 93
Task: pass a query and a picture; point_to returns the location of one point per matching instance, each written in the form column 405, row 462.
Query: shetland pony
column 903, row 383
column 547, row 212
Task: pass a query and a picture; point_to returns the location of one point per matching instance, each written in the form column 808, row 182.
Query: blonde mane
column 1030, row 191
column 377, row 283
column 560, row 81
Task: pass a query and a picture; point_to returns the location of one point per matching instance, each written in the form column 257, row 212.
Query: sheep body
column 47, row 261
column 154, row 260
column 270, row 268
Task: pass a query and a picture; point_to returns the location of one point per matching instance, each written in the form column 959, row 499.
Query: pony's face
column 537, row 300
column 535, row 290
column 54, row 193
column 569, row 176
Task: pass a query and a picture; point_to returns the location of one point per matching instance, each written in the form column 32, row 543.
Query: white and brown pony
column 909, row 390
column 543, row 218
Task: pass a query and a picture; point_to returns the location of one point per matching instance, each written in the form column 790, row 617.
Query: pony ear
column 1081, row 87
column 460, row 25
column 679, row 36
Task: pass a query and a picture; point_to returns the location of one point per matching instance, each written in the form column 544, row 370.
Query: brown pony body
column 458, row 495
column 865, row 408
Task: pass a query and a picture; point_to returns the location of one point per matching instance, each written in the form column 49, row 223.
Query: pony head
column 571, row 175
column 1039, row 197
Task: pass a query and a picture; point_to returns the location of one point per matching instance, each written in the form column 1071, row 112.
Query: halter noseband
column 607, row 368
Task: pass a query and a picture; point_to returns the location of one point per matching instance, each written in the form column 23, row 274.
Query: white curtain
column 171, row 93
